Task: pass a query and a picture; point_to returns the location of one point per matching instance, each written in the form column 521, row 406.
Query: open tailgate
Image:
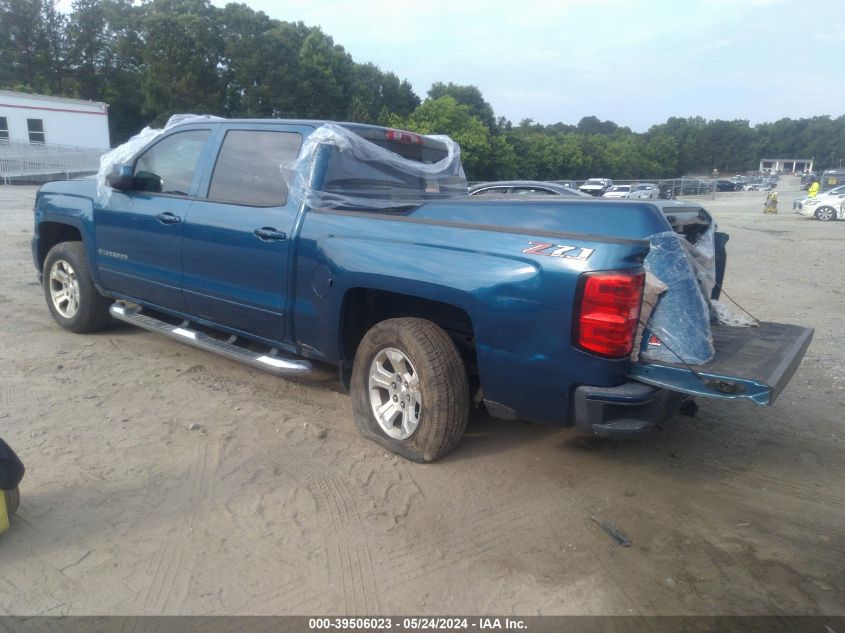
column 749, row 362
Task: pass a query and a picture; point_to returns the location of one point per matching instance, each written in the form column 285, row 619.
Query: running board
column 272, row 362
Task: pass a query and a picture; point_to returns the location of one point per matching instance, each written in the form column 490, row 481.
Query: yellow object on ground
column 4, row 516
column 771, row 205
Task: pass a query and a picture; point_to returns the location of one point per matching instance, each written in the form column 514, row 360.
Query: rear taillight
column 606, row 320
column 398, row 136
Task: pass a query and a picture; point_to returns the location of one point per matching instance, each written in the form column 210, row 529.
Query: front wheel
column 71, row 296
column 410, row 391
column 826, row 214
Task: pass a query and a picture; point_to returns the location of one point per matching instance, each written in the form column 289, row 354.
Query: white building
column 38, row 119
column 786, row 165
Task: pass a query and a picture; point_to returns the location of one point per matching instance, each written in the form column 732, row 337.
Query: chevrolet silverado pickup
column 282, row 244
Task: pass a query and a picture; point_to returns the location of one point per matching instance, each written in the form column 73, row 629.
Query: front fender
column 59, row 208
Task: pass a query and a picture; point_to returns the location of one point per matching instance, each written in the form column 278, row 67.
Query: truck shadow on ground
column 486, row 435
column 716, row 441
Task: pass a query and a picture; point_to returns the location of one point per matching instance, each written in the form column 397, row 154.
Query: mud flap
column 753, row 363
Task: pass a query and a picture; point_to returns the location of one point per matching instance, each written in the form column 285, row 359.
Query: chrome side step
column 271, row 361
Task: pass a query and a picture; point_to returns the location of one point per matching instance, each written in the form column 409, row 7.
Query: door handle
column 168, row 218
column 269, row 234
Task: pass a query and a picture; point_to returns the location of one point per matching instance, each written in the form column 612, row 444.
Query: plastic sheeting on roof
column 360, row 174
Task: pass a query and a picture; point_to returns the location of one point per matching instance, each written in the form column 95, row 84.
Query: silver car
column 515, row 188
column 644, row 191
column 596, row 186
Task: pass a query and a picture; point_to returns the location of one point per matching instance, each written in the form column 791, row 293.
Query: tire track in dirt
column 347, row 560
column 176, row 560
column 465, row 540
column 12, row 393
column 356, row 501
column 348, row 572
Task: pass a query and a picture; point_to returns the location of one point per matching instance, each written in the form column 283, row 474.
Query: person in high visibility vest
column 813, row 189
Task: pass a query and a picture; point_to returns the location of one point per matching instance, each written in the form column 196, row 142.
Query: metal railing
column 22, row 160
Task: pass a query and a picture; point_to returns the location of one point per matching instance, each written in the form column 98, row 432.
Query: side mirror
column 121, row 178
column 11, row 468
column 147, row 181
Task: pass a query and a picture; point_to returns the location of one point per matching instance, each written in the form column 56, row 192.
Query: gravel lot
column 276, row 506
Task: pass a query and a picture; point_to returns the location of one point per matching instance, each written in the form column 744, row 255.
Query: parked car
column 831, row 178
column 727, row 185
column 644, row 191
column 524, row 188
column 826, row 206
column 759, row 184
column 684, row 187
column 618, row 191
column 596, row 186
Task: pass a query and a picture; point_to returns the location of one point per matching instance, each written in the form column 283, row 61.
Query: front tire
column 71, row 296
column 410, row 391
column 826, row 214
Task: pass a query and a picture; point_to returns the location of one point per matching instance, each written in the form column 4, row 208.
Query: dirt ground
column 276, row 506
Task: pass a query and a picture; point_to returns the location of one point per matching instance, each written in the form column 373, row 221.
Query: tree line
column 161, row 57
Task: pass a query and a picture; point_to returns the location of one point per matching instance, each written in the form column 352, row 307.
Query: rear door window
column 249, row 167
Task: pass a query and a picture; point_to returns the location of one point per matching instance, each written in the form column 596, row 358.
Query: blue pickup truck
column 284, row 246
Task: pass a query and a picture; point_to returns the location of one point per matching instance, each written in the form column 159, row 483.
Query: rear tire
column 826, row 214
column 410, row 361
column 69, row 289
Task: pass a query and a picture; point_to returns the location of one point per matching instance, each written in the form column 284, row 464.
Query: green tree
column 325, row 84
column 399, row 96
column 182, row 50
column 88, row 48
column 592, row 125
column 32, row 46
column 469, row 96
column 662, row 152
column 446, row 116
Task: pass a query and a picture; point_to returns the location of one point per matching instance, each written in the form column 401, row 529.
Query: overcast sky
column 635, row 63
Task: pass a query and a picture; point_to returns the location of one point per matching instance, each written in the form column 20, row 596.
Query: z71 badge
column 559, row 250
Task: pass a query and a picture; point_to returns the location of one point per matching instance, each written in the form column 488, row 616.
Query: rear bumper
column 623, row 411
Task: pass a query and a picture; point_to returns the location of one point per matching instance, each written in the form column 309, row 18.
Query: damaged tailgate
column 755, row 363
